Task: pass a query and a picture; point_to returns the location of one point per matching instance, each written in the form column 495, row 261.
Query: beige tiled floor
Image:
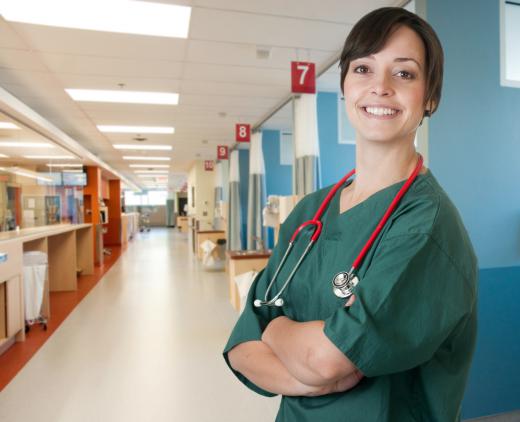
column 144, row 345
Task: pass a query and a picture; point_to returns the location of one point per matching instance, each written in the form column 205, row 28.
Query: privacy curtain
column 306, row 145
column 234, row 214
column 256, row 233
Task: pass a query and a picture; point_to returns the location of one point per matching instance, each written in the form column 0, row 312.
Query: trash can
column 34, row 275
column 214, row 255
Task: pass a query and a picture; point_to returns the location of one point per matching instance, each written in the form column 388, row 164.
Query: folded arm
column 257, row 362
column 307, row 353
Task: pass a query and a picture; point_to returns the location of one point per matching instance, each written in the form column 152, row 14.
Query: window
column 151, row 197
column 286, row 149
column 346, row 133
column 509, row 36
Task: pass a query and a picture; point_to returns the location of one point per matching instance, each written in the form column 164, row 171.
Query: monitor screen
column 74, row 179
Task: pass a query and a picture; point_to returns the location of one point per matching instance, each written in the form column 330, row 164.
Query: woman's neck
column 379, row 166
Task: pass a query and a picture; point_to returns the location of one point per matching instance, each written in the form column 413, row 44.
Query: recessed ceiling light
column 127, row 157
column 26, row 144
column 152, row 171
column 8, row 125
column 136, row 129
column 121, row 16
column 64, row 165
column 132, row 97
column 151, row 165
column 49, row 157
column 144, row 147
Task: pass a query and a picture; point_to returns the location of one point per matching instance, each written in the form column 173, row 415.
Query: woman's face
column 384, row 92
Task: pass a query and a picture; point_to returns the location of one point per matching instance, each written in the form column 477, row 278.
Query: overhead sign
column 222, row 152
column 303, row 77
column 209, row 165
column 242, row 132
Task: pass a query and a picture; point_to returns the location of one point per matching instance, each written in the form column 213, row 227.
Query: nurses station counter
column 70, row 251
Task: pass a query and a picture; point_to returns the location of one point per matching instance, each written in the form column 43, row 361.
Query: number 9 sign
column 303, row 77
column 222, row 152
column 242, row 132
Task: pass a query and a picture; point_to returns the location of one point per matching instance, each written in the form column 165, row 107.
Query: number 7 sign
column 303, row 77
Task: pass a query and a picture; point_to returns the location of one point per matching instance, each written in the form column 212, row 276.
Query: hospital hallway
column 144, row 345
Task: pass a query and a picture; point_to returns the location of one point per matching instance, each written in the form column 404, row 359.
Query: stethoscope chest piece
column 343, row 283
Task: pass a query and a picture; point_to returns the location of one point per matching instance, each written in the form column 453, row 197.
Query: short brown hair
column 372, row 31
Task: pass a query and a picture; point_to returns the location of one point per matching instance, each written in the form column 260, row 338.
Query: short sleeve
column 407, row 303
column 253, row 321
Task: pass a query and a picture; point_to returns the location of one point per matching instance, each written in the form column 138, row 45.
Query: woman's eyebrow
column 407, row 59
column 398, row 59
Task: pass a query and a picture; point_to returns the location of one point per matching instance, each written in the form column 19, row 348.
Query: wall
column 474, row 149
column 335, row 159
column 204, row 184
column 278, row 177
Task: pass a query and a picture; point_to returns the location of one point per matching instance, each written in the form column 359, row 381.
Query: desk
column 240, row 262
column 129, row 226
column 182, row 224
column 69, row 247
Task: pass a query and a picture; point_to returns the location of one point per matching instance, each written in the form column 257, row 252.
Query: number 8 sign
column 242, row 132
column 303, row 77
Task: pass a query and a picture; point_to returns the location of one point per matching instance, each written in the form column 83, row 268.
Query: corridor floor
column 144, row 345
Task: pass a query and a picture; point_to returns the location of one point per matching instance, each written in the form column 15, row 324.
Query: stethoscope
column 344, row 282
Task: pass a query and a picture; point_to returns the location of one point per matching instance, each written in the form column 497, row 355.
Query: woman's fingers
column 349, row 382
column 350, row 301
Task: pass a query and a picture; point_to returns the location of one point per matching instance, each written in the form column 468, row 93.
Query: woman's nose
column 382, row 86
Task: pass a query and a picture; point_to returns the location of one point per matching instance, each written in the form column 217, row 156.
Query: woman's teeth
column 378, row 111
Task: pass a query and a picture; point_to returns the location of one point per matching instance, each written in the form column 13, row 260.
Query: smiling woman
column 392, row 339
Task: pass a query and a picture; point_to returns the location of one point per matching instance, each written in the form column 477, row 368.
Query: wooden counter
column 69, row 248
column 182, row 223
column 203, row 235
column 240, row 262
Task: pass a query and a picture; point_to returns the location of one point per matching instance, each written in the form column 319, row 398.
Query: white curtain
column 256, row 233
column 234, row 214
column 306, row 145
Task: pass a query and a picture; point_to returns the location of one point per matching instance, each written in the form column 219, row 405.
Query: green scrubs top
column 411, row 330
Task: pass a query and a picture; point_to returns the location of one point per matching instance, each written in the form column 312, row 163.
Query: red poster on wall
column 242, row 132
column 303, row 77
column 222, row 152
column 209, row 165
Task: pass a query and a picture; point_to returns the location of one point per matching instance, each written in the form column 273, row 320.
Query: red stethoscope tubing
column 318, row 224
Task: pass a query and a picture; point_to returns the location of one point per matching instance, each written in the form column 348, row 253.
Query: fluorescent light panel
column 121, row 16
column 151, row 172
column 26, row 144
column 64, row 165
column 49, row 157
column 8, row 125
column 26, row 173
column 121, row 96
column 151, row 165
column 167, row 130
column 137, row 158
column 144, row 147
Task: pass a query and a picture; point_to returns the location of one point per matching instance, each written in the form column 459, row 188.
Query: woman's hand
column 340, row 386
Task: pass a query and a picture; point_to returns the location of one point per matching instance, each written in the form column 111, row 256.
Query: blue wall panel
column 243, row 159
column 494, row 382
column 335, row 159
column 474, row 139
column 278, row 177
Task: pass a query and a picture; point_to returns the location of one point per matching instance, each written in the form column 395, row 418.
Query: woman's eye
column 405, row 75
column 361, row 69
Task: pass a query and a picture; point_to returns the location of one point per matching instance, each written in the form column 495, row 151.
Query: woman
column 400, row 348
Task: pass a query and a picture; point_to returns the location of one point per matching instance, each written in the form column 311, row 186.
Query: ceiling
column 215, row 70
